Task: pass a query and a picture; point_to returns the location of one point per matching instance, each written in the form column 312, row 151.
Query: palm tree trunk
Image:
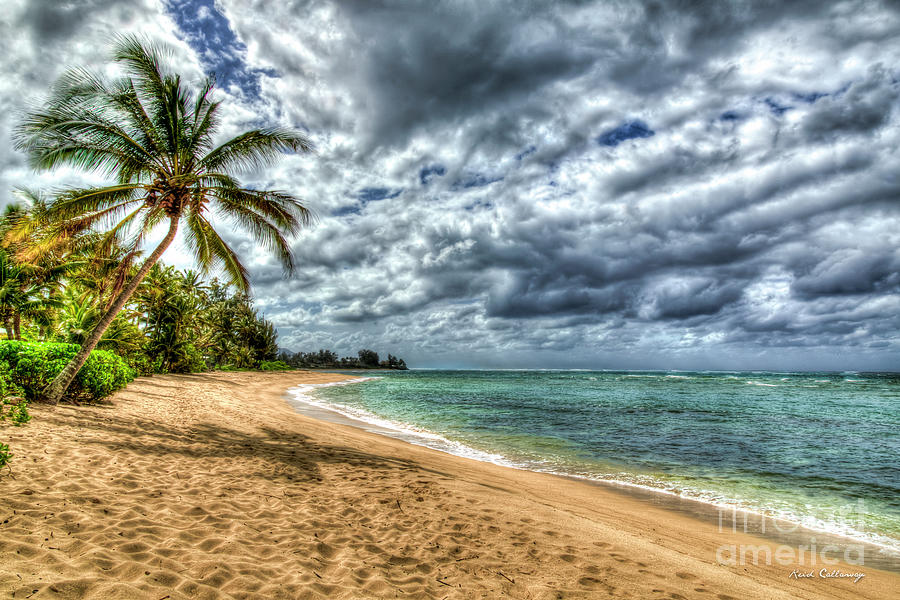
column 7, row 325
column 54, row 392
column 17, row 325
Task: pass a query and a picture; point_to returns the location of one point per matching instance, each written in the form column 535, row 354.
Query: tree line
column 326, row 359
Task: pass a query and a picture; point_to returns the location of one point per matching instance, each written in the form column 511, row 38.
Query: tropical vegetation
column 26, row 368
column 176, row 321
column 153, row 137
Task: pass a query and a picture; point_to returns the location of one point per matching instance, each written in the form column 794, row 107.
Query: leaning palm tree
column 154, row 136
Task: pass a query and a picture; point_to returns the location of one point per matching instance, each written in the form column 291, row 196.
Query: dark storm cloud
column 630, row 183
column 851, row 271
column 450, row 61
column 52, row 19
column 429, row 63
column 864, row 107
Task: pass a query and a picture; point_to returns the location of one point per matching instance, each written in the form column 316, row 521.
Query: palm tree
column 154, row 136
column 17, row 293
column 28, row 284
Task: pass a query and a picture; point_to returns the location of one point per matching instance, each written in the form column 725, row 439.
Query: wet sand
column 213, row 486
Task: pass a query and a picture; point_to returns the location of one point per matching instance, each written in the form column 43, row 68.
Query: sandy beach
column 212, row 486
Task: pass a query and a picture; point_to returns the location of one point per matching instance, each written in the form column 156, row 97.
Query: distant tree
column 368, row 358
column 326, row 359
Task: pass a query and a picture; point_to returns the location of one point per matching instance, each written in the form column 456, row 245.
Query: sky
column 519, row 184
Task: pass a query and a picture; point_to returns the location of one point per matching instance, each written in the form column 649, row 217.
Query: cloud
column 634, row 184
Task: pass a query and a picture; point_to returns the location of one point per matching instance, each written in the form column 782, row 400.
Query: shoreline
column 775, row 528
column 212, row 486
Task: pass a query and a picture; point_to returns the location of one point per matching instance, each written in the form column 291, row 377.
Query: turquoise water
column 819, row 449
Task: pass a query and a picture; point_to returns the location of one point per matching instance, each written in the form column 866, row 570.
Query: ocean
column 818, row 449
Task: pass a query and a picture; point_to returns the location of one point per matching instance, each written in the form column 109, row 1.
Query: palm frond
column 161, row 92
column 205, row 119
column 116, row 235
column 80, row 139
column 255, row 149
column 125, row 97
column 86, row 221
column 72, row 203
column 213, row 252
column 142, row 61
column 283, row 210
column 264, row 232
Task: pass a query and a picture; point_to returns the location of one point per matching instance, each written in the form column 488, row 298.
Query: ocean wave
column 423, row 437
column 405, row 431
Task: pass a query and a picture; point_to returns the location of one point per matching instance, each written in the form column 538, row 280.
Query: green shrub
column 12, row 405
column 15, row 409
column 274, row 365
column 190, row 360
column 5, row 455
column 102, row 374
column 33, row 365
column 7, row 387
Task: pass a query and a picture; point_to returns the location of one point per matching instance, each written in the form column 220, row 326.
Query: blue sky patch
column 479, row 204
column 374, row 194
column 626, row 131
column 526, row 152
column 776, row 108
column 209, row 33
column 429, row 172
column 476, row 180
column 364, row 196
column 811, row 97
column 343, row 211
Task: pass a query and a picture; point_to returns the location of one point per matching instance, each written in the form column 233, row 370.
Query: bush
column 274, row 365
column 190, row 360
column 7, row 387
column 12, row 407
column 140, row 363
column 102, row 374
column 5, row 455
column 33, row 365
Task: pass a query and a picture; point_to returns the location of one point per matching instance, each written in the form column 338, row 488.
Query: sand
column 212, row 486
